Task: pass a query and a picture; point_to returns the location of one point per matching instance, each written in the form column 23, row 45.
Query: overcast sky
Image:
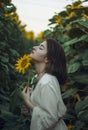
column 36, row 13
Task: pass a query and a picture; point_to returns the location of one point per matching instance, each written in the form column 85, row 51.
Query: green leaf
column 83, row 22
column 85, row 62
column 84, row 54
column 75, row 40
column 69, row 93
column 2, row 44
column 5, row 67
column 69, row 117
column 81, row 78
column 74, row 60
column 2, row 97
column 14, row 52
column 8, row 115
column 82, row 105
column 16, row 101
column 10, row 8
column 83, row 116
column 73, row 67
column 46, row 33
column 69, row 51
column 70, row 42
column 4, row 59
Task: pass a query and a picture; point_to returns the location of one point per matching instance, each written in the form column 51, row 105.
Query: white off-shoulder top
column 49, row 107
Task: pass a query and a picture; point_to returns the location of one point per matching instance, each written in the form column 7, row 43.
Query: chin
column 32, row 56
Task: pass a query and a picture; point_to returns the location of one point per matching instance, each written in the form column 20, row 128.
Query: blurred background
column 35, row 14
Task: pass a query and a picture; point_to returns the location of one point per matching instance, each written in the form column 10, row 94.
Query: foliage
column 14, row 43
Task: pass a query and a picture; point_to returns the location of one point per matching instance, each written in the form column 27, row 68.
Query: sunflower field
column 70, row 27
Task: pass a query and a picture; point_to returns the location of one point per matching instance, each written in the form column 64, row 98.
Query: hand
column 26, row 93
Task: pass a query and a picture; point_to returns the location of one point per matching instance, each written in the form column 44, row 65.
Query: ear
column 46, row 60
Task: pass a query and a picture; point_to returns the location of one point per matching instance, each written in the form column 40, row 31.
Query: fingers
column 26, row 89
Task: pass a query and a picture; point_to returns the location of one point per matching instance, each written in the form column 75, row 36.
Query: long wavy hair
column 56, row 60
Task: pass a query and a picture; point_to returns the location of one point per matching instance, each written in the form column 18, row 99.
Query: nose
column 35, row 47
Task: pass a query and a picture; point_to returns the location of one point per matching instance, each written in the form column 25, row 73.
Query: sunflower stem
column 28, row 82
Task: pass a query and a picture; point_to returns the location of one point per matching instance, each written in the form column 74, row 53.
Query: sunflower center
column 24, row 63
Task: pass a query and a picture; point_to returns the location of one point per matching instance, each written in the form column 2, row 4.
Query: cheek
column 39, row 57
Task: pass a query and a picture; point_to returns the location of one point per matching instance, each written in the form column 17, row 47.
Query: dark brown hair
column 57, row 60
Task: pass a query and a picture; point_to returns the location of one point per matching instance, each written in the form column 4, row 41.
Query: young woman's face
column 39, row 53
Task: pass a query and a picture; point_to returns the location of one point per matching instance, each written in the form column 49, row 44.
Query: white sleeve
column 45, row 115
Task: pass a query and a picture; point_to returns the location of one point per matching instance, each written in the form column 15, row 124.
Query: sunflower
column 57, row 19
column 23, row 63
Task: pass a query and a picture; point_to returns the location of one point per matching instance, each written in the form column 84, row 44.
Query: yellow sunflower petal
column 23, row 63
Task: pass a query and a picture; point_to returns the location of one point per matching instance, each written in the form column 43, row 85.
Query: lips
column 32, row 51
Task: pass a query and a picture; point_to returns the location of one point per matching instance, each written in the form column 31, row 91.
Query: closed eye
column 41, row 47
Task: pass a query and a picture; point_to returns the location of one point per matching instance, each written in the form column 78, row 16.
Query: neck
column 40, row 68
column 40, row 75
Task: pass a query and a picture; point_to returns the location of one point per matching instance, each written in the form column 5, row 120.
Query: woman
column 46, row 101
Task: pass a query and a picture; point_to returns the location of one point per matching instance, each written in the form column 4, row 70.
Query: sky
column 36, row 13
